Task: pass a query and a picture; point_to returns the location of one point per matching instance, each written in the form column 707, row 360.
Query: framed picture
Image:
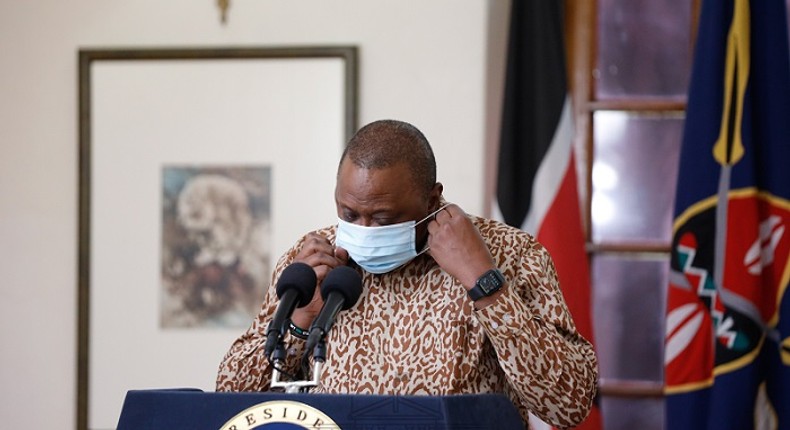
column 198, row 169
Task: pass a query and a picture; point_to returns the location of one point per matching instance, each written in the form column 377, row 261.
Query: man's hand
column 458, row 248
column 322, row 256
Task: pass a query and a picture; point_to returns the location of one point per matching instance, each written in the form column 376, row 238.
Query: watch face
column 490, row 283
column 487, row 284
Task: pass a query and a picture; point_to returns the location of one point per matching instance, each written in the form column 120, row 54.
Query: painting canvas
column 216, row 245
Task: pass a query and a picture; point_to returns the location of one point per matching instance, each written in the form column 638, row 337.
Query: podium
column 194, row 409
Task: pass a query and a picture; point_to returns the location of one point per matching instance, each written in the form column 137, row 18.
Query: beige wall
column 424, row 61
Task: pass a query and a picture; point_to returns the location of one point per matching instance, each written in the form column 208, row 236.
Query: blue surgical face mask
column 380, row 249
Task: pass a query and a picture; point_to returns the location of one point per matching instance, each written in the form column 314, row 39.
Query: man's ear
column 435, row 196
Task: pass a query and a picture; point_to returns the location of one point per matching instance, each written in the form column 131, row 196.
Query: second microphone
column 340, row 290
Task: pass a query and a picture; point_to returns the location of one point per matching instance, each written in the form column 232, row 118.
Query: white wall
column 424, row 61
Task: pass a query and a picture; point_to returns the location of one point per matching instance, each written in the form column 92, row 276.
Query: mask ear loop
column 431, row 215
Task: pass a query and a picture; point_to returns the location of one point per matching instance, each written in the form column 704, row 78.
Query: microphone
column 295, row 288
column 340, row 290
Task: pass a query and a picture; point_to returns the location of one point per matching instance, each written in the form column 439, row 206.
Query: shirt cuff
column 506, row 316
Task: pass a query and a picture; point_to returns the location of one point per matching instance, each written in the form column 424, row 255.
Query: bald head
column 387, row 143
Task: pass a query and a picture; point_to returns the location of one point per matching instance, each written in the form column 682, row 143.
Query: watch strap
column 476, row 293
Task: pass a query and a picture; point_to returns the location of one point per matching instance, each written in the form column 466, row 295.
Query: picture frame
column 290, row 109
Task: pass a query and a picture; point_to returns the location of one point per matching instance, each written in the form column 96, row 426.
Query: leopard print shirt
column 415, row 331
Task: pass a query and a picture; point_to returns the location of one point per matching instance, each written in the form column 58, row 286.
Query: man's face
column 376, row 197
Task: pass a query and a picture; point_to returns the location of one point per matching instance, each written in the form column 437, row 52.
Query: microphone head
column 345, row 281
column 299, row 277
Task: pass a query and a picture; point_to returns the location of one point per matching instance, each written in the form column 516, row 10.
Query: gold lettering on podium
column 280, row 411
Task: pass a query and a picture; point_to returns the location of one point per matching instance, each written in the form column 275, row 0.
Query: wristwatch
column 486, row 285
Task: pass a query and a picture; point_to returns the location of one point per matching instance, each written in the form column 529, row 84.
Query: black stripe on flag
column 535, row 91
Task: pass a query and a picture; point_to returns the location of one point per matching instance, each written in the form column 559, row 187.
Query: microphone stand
column 304, row 386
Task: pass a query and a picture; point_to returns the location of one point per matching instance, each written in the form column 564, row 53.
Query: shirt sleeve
column 245, row 366
column 550, row 367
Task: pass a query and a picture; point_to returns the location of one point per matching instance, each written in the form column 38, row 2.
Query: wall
column 424, row 61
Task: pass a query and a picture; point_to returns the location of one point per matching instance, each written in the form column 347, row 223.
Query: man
column 424, row 324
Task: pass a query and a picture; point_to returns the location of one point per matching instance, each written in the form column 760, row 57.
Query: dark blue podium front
column 196, row 410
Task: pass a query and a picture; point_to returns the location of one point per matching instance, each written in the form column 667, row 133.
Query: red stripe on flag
column 561, row 233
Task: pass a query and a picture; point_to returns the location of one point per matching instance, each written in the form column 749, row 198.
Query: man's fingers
column 317, row 251
column 342, row 255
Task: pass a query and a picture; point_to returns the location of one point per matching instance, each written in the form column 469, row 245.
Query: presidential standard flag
column 727, row 355
column 537, row 188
